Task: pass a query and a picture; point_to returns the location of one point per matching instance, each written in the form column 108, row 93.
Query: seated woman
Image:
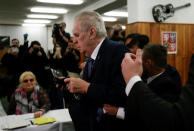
column 29, row 97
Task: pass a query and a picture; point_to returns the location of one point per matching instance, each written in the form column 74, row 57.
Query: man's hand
column 30, row 50
column 132, row 65
column 111, row 110
column 77, row 85
column 39, row 53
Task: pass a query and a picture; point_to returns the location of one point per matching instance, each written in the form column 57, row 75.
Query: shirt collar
column 153, row 77
column 96, row 50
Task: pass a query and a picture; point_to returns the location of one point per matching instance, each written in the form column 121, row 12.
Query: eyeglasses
column 31, row 80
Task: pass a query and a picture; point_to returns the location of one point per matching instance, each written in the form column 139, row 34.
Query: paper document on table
column 29, row 116
column 61, row 115
column 12, row 121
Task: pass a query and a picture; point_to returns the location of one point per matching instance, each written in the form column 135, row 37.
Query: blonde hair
column 26, row 73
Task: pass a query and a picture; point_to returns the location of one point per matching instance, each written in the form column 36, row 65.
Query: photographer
column 72, row 58
column 60, row 36
column 57, row 60
column 11, row 60
column 35, row 60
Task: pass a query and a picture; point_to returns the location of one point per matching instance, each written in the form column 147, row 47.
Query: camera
column 56, row 28
column 61, row 82
column 36, row 50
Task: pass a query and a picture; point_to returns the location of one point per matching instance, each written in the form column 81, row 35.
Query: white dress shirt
column 153, row 77
column 94, row 55
column 121, row 112
column 96, row 50
column 133, row 80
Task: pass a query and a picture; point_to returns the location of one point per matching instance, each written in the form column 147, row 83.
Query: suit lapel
column 99, row 57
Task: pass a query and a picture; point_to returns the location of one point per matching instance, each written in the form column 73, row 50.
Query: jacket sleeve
column 145, row 106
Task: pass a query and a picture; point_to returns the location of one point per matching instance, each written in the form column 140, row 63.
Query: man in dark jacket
column 102, row 79
column 145, row 108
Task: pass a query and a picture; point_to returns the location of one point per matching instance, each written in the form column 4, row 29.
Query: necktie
column 90, row 66
column 99, row 114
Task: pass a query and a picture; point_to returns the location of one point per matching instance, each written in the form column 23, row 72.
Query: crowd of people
column 125, row 82
column 46, row 67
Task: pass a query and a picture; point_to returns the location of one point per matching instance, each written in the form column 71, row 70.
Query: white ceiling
column 15, row 11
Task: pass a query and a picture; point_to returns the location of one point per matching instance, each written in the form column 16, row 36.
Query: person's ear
column 92, row 33
column 148, row 62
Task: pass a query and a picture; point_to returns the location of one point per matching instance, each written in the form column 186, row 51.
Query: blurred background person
column 12, row 62
column 7, row 87
column 58, row 68
column 136, row 41
column 12, row 59
column 35, row 60
column 60, row 36
column 109, row 31
column 72, row 59
column 118, row 34
column 57, row 61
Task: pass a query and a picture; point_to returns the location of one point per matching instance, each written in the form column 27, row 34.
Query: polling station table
column 63, row 121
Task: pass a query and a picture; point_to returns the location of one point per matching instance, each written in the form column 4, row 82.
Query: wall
column 50, row 39
column 185, row 34
column 141, row 10
column 69, row 17
column 140, row 20
column 34, row 33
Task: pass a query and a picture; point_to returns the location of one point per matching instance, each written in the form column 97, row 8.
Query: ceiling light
column 34, row 25
column 117, row 13
column 37, row 21
column 49, row 10
column 42, row 16
column 111, row 19
column 71, row 2
column 123, row 27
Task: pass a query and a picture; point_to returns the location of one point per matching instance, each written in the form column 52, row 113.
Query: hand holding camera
column 13, row 50
column 35, row 51
column 56, row 30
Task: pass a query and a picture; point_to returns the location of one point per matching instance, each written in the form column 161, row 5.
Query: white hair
column 90, row 19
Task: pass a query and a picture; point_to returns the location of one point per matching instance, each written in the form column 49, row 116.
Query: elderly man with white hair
column 102, row 81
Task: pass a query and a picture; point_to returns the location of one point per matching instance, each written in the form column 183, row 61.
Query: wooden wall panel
column 132, row 28
column 185, row 41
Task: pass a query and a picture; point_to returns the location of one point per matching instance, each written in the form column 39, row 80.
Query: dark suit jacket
column 165, row 87
column 107, row 87
column 174, row 74
column 152, row 113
